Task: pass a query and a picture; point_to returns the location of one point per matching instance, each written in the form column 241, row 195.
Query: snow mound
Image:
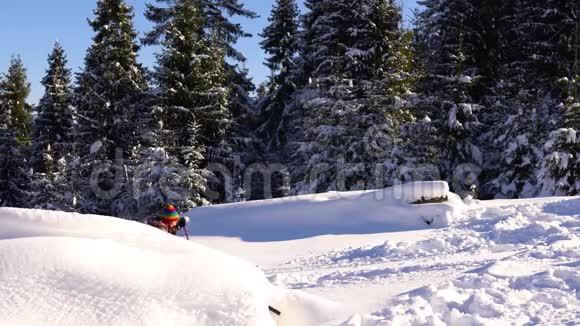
column 503, row 262
column 399, row 250
column 360, row 212
column 70, row 269
column 487, row 299
column 535, row 283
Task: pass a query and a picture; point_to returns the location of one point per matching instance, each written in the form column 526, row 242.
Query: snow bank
column 69, row 269
column 505, row 262
column 300, row 308
column 360, row 212
column 494, row 296
column 536, row 283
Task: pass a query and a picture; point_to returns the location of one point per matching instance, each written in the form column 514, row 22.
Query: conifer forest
column 483, row 94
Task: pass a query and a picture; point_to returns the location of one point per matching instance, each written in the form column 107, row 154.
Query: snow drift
column 359, row 212
column 503, row 262
column 71, row 269
column 508, row 263
column 68, row 269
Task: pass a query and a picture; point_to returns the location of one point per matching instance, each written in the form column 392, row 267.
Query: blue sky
column 30, row 28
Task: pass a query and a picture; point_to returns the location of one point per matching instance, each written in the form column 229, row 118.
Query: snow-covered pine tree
column 377, row 37
column 352, row 139
column 567, row 174
column 161, row 177
column 222, row 29
column 492, row 89
column 560, row 173
column 293, row 155
column 191, row 76
column 452, row 36
column 307, row 49
column 324, row 95
column 280, row 43
column 16, row 89
column 217, row 25
column 323, row 44
column 513, row 146
column 52, row 147
column 519, row 150
column 405, row 135
column 188, row 70
column 353, row 106
column 105, row 96
column 382, row 54
column 422, row 146
column 537, row 51
column 54, row 121
column 220, row 26
column 14, row 180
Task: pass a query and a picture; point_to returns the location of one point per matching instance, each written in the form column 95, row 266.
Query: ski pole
column 274, row 310
column 185, row 231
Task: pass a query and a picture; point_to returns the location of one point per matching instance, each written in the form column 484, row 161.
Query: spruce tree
column 280, row 42
column 561, row 165
column 107, row 90
column 537, row 57
column 220, row 29
column 189, row 73
column 15, row 92
column 450, row 37
column 54, row 122
column 14, row 180
column 307, row 51
column 217, row 23
column 354, row 107
column 323, row 95
column 192, row 97
column 559, row 173
column 52, row 152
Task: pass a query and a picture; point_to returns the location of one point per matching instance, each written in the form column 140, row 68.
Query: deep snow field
column 359, row 259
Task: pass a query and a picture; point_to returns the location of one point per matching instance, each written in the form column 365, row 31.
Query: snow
column 465, row 79
column 522, row 140
column 68, row 269
column 452, row 121
column 96, row 146
column 399, row 103
column 467, row 109
column 363, row 258
column 331, row 213
column 502, row 262
column 570, row 135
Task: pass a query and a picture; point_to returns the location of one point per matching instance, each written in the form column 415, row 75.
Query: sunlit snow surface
column 359, row 259
column 69, row 269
